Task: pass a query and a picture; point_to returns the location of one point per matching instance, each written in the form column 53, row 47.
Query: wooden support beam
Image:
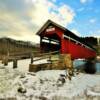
column 32, row 56
column 15, row 63
column 49, row 44
column 5, row 60
column 41, row 38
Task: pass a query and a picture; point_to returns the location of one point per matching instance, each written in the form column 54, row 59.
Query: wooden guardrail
column 43, row 56
column 17, row 56
column 58, row 61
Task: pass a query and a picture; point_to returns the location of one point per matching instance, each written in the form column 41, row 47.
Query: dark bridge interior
column 50, row 43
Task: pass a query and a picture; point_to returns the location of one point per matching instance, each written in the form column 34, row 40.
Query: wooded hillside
column 14, row 46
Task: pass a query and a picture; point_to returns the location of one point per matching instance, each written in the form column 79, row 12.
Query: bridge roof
column 67, row 33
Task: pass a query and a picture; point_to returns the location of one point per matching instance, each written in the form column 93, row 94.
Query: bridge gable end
column 51, row 27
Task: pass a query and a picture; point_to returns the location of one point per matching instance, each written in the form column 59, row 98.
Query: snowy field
column 19, row 84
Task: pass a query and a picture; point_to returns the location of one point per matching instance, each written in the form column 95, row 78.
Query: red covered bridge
column 54, row 37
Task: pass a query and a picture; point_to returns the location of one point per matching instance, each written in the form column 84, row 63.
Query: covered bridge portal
column 54, row 37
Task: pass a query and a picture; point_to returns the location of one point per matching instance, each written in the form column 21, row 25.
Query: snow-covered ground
column 23, row 65
column 19, row 84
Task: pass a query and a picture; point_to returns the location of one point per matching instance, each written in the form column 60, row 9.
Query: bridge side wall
column 77, row 50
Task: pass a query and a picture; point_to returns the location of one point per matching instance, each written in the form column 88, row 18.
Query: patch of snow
column 41, row 61
column 45, row 84
column 89, row 92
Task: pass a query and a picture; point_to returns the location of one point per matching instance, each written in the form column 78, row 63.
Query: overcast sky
column 21, row 19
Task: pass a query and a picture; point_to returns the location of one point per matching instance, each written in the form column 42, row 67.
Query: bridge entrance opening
column 50, row 42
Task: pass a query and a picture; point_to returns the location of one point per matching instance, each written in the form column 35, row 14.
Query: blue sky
column 21, row 19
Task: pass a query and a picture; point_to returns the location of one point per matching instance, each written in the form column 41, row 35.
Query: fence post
column 5, row 60
column 32, row 58
column 15, row 63
column 69, row 65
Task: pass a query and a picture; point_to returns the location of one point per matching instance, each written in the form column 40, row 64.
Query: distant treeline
column 14, row 46
column 90, row 40
column 94, row 42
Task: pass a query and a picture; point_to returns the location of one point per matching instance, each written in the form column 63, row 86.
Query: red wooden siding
column 76, row 50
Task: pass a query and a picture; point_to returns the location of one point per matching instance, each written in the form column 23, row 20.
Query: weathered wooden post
column 5, row 59
column 15, row 63
column 49, row 56
column 68, row 61
column 31, row 56
column 68, row 64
